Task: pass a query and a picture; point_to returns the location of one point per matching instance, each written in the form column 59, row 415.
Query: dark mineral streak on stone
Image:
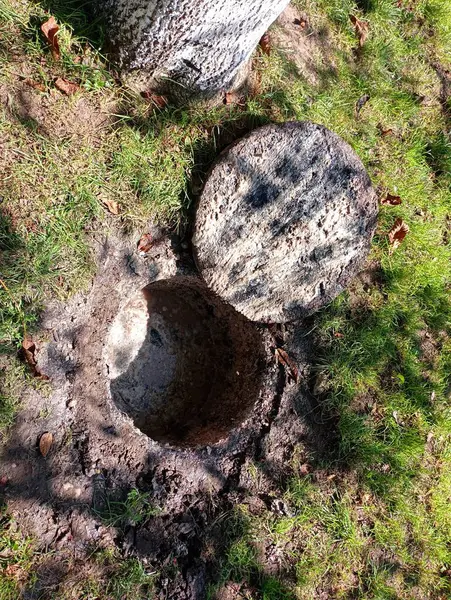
column 186, row 47
column 284, row 222
column 183, row 365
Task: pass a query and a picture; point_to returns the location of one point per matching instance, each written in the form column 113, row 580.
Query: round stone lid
column 284, row 222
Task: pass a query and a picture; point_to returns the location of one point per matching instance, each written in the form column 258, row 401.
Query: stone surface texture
column 284, row 222
column 196, row 46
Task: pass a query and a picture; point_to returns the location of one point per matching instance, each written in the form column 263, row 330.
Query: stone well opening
column 184, row 365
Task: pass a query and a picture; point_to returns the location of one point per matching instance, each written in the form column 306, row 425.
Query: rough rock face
column 196, row 46
column 284, row 222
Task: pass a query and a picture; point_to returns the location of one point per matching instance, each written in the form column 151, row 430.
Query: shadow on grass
column 377, row 428
column 81, row 17
column 199, row 544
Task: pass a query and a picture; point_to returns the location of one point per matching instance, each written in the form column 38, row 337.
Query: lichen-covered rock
column 191, row 47
column 285, row 221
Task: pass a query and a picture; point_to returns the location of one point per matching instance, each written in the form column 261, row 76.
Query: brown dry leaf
column 305, row 469
column 265, row 43
column 288, row 363
column 67, row 87
column 302, row 23
column 50, row 29
column 339, row 335
column 45, row 443
column 390, row 200
column 15, row 572
column 159, row 101
column 397, row 233
column 112, row 206
column 361, row 29
column 28, row 344
column 145, row 243
column 35, row 84
column 28, row 354
column 230, row 98
column 383, row 131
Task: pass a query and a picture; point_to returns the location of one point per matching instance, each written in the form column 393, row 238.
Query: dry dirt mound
column 97, row 450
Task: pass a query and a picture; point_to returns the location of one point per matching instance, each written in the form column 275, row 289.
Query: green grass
column 16, row 559
column 134, row 510
column 107, row 576
column 376, row 525
column 117, row 579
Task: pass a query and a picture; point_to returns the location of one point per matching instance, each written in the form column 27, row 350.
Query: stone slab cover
column 285, row 221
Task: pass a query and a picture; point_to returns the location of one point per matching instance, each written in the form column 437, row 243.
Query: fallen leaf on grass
column 35, row 84
column 15, row 572
column 230, row 98
column 159, row 101
column 45, row 443
column 112, row 206
column 50, row 29
column 288, row 363
column 390, row 200
column 361, row 29
column 300, row 23
column 361, row 103
column 265, row 43
column 397, row 233
column 305, row 469
column 67, row 87
column 383, row 131
column 145, row 243
column 28, row 354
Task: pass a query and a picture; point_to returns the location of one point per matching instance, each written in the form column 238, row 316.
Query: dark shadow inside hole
column 185, row 366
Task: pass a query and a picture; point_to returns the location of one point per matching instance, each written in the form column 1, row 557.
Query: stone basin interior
column 185, row 366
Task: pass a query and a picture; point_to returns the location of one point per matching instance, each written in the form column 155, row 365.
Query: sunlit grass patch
column 373, row 520
column 16, row 560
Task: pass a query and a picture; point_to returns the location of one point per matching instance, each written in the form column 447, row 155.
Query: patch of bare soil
column 429, row 348
column 55, row 115
column 368, row 284
column 306, row 48
column 98, row 453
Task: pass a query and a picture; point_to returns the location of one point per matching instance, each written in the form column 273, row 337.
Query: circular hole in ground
column 182, row 364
